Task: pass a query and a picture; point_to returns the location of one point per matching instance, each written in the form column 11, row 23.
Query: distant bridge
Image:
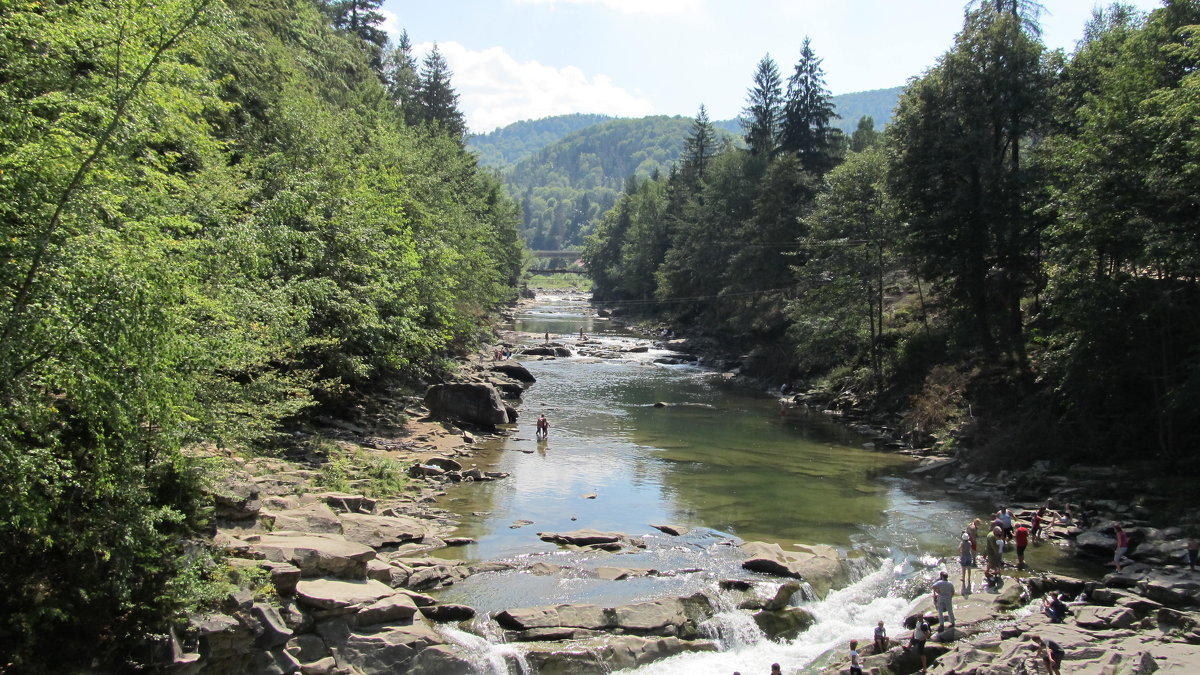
column 556, row 254
column 571, row 270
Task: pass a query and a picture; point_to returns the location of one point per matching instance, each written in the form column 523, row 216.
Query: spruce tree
column 360, row 17
column 400, row 76
column 698, row 149
column 764, row 108
column 437, row 102
column 806, row 114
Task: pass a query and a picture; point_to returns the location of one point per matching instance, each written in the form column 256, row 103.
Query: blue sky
column 526, row 59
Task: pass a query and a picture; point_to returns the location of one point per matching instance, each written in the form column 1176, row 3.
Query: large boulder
column 470, row 402
column 785, row 623
column 820, row 566
column 516, row 371
column 390, row 650
column 236, row 498
column 315, row 554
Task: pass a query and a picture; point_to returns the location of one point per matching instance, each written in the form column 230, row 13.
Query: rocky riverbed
column 340, row 582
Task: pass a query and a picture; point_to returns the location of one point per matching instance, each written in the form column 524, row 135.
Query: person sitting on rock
column 1051, row 652
column 881, row 639
column 1054, row 607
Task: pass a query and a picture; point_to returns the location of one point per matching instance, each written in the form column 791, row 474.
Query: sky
column 515, row 60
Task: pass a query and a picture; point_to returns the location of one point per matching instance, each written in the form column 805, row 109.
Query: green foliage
column 360, row 472
column 212, row 216
column 504, row 147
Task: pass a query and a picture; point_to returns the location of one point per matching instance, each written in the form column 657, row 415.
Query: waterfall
column 732, row 628
column 488, row 655
column 844, row 614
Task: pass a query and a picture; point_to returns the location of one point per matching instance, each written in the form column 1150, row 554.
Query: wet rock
column 591, row 617
column 441, row 660
column 443, row 463
column 620, row 573
column 592, row 538
column 673, row 530
column 516, row 371
column 820, row 566
column 785, row 623
column 448, row 613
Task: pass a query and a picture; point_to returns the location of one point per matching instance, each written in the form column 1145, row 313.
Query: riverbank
column 307, row 536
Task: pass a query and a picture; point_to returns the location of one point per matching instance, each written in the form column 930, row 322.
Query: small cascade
column 732, row 628
column 488, row 655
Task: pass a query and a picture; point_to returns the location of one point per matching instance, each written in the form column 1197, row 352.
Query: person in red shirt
column 1022, row 542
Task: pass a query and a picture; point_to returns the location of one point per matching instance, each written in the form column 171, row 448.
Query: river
column 718, row 459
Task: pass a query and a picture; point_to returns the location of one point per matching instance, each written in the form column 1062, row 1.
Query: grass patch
column 360, row 472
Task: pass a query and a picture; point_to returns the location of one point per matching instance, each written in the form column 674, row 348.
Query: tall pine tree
column 437, row 102
column 806, row 115
column 764, row 109
column 400, row 76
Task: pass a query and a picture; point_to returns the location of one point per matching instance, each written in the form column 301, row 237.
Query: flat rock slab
column 380, row 531
column 342, row 593
column 820, row 566
column 589, row 537
column 314, row 554
column 316, row 517
column 393, row 608
column 592, row 617
column 673, row 530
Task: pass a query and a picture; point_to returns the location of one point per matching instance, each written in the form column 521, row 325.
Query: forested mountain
column 508, row 145
column 1042, row 295
column 567, row 170
column 215, row 216
column 564, row 187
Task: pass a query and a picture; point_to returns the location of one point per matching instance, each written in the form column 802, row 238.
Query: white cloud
column 391, row 24
column 629, row 6
column 495, row 90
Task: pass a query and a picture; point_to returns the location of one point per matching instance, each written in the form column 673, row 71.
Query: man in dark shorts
column 1022, row 537
column 920, row 634
column 1051, row 652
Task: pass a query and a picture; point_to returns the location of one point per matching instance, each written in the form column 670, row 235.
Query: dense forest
column 567, row 170
column 1013, row 259
column 567, row 185
column 217, row 215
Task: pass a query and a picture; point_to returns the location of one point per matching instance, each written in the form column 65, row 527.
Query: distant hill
column 566, row 171
column 567, row 185
column 508, row 145
column 878, row 103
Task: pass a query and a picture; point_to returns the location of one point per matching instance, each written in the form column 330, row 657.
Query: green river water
column 718, row 459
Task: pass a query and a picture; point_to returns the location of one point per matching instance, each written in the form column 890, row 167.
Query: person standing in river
column 995, row 562
column 966, row 561
column 543, row 427
column 1193, row 551
column 1022, row 540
